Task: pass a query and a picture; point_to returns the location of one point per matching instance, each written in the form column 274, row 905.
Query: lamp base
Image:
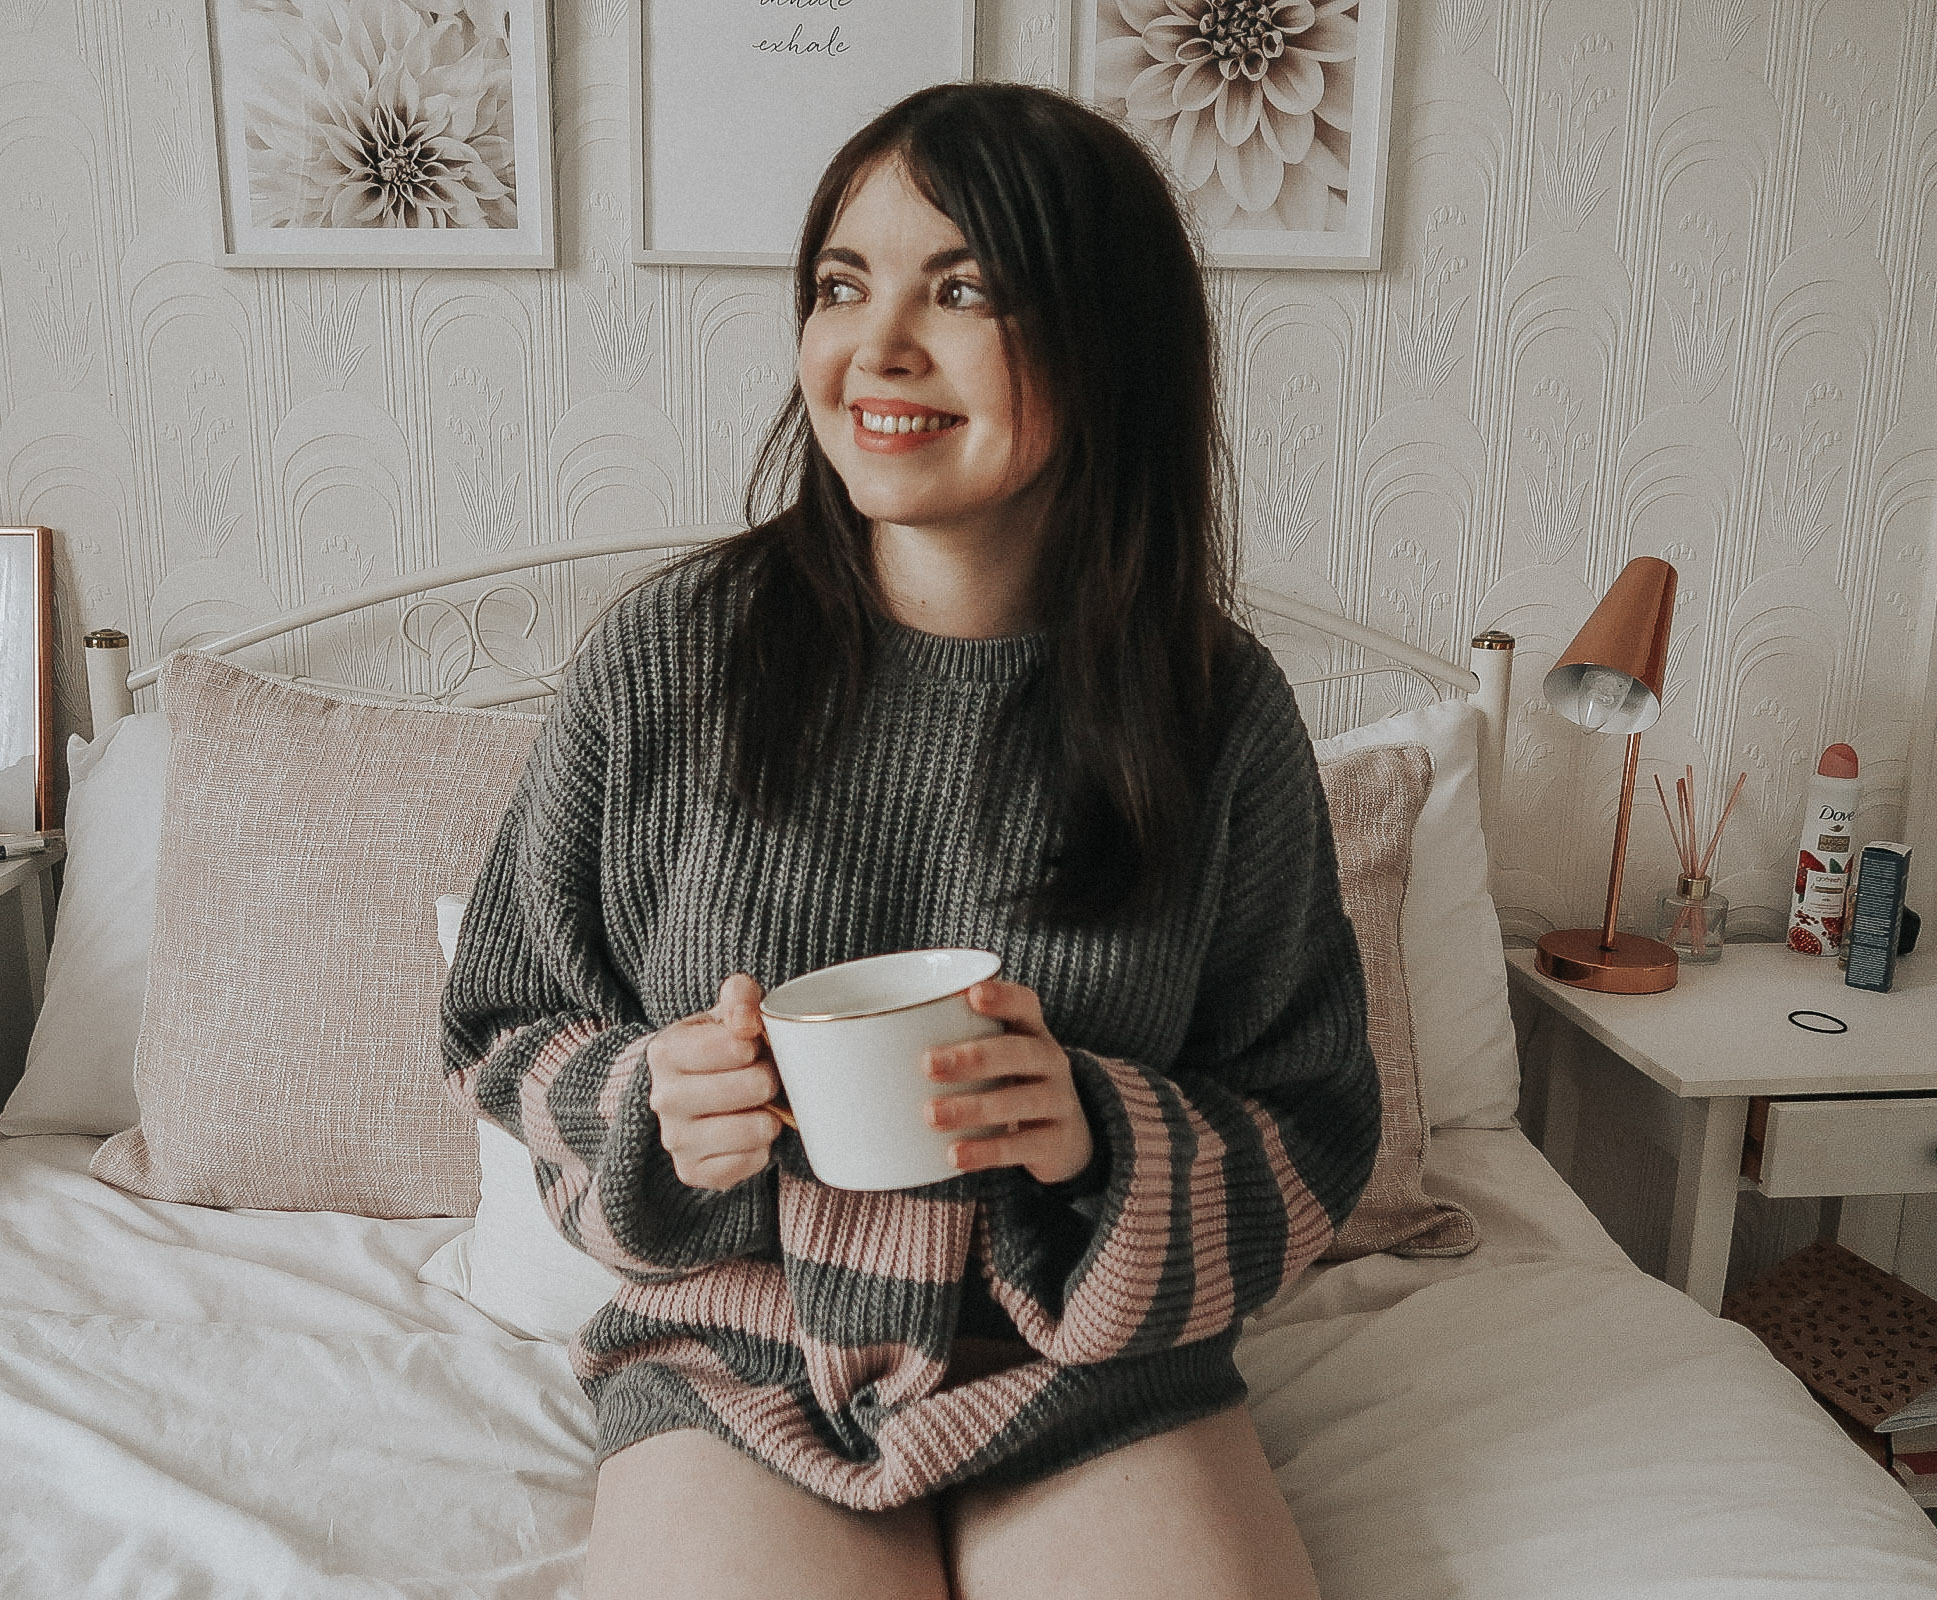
column 1634, row 966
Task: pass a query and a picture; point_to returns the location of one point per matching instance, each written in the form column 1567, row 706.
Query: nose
column 890, row 345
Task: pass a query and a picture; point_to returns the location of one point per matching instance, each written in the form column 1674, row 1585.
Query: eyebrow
column 938, row 262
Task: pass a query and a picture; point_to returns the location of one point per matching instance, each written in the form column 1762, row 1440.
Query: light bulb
column 1603, row 693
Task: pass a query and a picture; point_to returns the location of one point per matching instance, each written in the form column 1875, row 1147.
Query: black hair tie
column 1839, row 1025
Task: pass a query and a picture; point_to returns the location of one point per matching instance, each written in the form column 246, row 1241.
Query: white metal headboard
column 1485, row 680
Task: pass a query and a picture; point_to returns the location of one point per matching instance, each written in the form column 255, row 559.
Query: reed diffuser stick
column 1688, row 808
column 1716, row 837
column 1674, row 828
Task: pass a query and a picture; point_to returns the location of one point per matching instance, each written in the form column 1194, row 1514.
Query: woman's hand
column 1032, row 1116
column 712, row 1081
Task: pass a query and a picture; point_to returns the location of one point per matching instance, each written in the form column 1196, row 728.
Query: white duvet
column 215, row 1404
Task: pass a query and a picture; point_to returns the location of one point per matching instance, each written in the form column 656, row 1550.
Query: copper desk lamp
column 1609, row 680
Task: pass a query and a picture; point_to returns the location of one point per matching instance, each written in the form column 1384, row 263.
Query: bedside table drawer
column 1880, row 1146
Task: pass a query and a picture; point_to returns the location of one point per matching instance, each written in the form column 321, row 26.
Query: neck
column 962, row 584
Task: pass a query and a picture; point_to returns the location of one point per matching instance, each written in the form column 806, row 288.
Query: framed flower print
column 739, row 104
column 382, row 133
column 1272, row 114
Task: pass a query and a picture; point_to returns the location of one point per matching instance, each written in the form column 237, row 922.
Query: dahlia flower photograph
column 1254, row 103
column 380, row 118
column 379, row 114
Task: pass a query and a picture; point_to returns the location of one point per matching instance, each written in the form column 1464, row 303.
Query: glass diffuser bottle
column 1693, row 920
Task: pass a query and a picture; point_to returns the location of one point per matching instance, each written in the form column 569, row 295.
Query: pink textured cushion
column 1375, row 796
column 288, row 1053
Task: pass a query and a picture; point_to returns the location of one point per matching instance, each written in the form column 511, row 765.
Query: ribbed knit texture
column 1219, row 1050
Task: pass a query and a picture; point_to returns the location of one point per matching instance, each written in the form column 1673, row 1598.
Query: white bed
column 232, row 1402
column 202, row 1402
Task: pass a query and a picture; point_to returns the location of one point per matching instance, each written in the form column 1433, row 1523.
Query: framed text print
column 1273, row 116
column 740, row 103
column 382, row 133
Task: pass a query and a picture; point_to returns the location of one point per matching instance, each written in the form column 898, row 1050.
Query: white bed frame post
column 108, row 697
column 1492, row 663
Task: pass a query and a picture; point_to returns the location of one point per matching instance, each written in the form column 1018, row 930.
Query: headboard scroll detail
column 449, row 635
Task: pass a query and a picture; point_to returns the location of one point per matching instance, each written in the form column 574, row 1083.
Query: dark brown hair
column 1093, row 271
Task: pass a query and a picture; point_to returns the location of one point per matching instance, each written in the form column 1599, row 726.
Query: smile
column 884, row 427
column 884, row 423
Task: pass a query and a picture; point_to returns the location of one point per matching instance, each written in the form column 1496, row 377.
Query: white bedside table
column 1722, row 1036
column 22, row 894
column 26, row 883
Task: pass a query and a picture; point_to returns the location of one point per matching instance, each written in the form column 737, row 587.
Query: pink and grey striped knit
column 874, row 1348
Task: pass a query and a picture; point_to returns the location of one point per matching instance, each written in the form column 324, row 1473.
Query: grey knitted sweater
column 1219, row 1051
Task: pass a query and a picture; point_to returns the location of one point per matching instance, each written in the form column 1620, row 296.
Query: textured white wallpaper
column 1661, row 278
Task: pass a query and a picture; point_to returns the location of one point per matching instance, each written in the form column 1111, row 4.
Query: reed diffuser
column 1693, row 919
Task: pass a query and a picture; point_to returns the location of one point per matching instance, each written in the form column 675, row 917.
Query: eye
column 963, row 294
column 834, row 290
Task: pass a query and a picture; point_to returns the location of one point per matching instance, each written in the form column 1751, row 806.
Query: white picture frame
column 725, row 161
column 287, row 195
column 1311, row 220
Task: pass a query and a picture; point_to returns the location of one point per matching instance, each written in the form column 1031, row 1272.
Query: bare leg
column 1191, row 1512
column 685, row 1514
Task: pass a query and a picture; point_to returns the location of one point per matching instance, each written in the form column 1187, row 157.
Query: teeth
column 926, row 423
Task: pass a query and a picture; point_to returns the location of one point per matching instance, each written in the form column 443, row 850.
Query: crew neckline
column 1003, row 659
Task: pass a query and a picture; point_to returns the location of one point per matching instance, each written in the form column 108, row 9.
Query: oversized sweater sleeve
column 543, row 1036
column 1225, row 1176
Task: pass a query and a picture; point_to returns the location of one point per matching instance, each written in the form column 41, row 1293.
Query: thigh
column 685, row 1514
column 1191, row 1512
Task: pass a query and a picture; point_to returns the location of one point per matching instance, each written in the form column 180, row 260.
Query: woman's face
column 907, row 384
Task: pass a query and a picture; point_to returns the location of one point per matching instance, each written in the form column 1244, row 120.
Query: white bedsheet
column 200, row 1404
column 210, row 1404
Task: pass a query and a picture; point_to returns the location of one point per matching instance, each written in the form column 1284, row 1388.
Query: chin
column 882, row 503
column 899, row 514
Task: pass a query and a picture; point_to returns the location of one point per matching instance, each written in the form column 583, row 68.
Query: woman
column 976, row 684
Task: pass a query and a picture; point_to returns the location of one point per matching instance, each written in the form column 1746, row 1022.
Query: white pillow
column 450, row 921
column 1449, row 932
column 79, row 1076
column 512, row 1264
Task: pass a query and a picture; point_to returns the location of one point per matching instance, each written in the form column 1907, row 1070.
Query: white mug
column 849, row 1043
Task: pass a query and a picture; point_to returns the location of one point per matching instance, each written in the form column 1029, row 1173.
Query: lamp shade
column 1609, row 679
